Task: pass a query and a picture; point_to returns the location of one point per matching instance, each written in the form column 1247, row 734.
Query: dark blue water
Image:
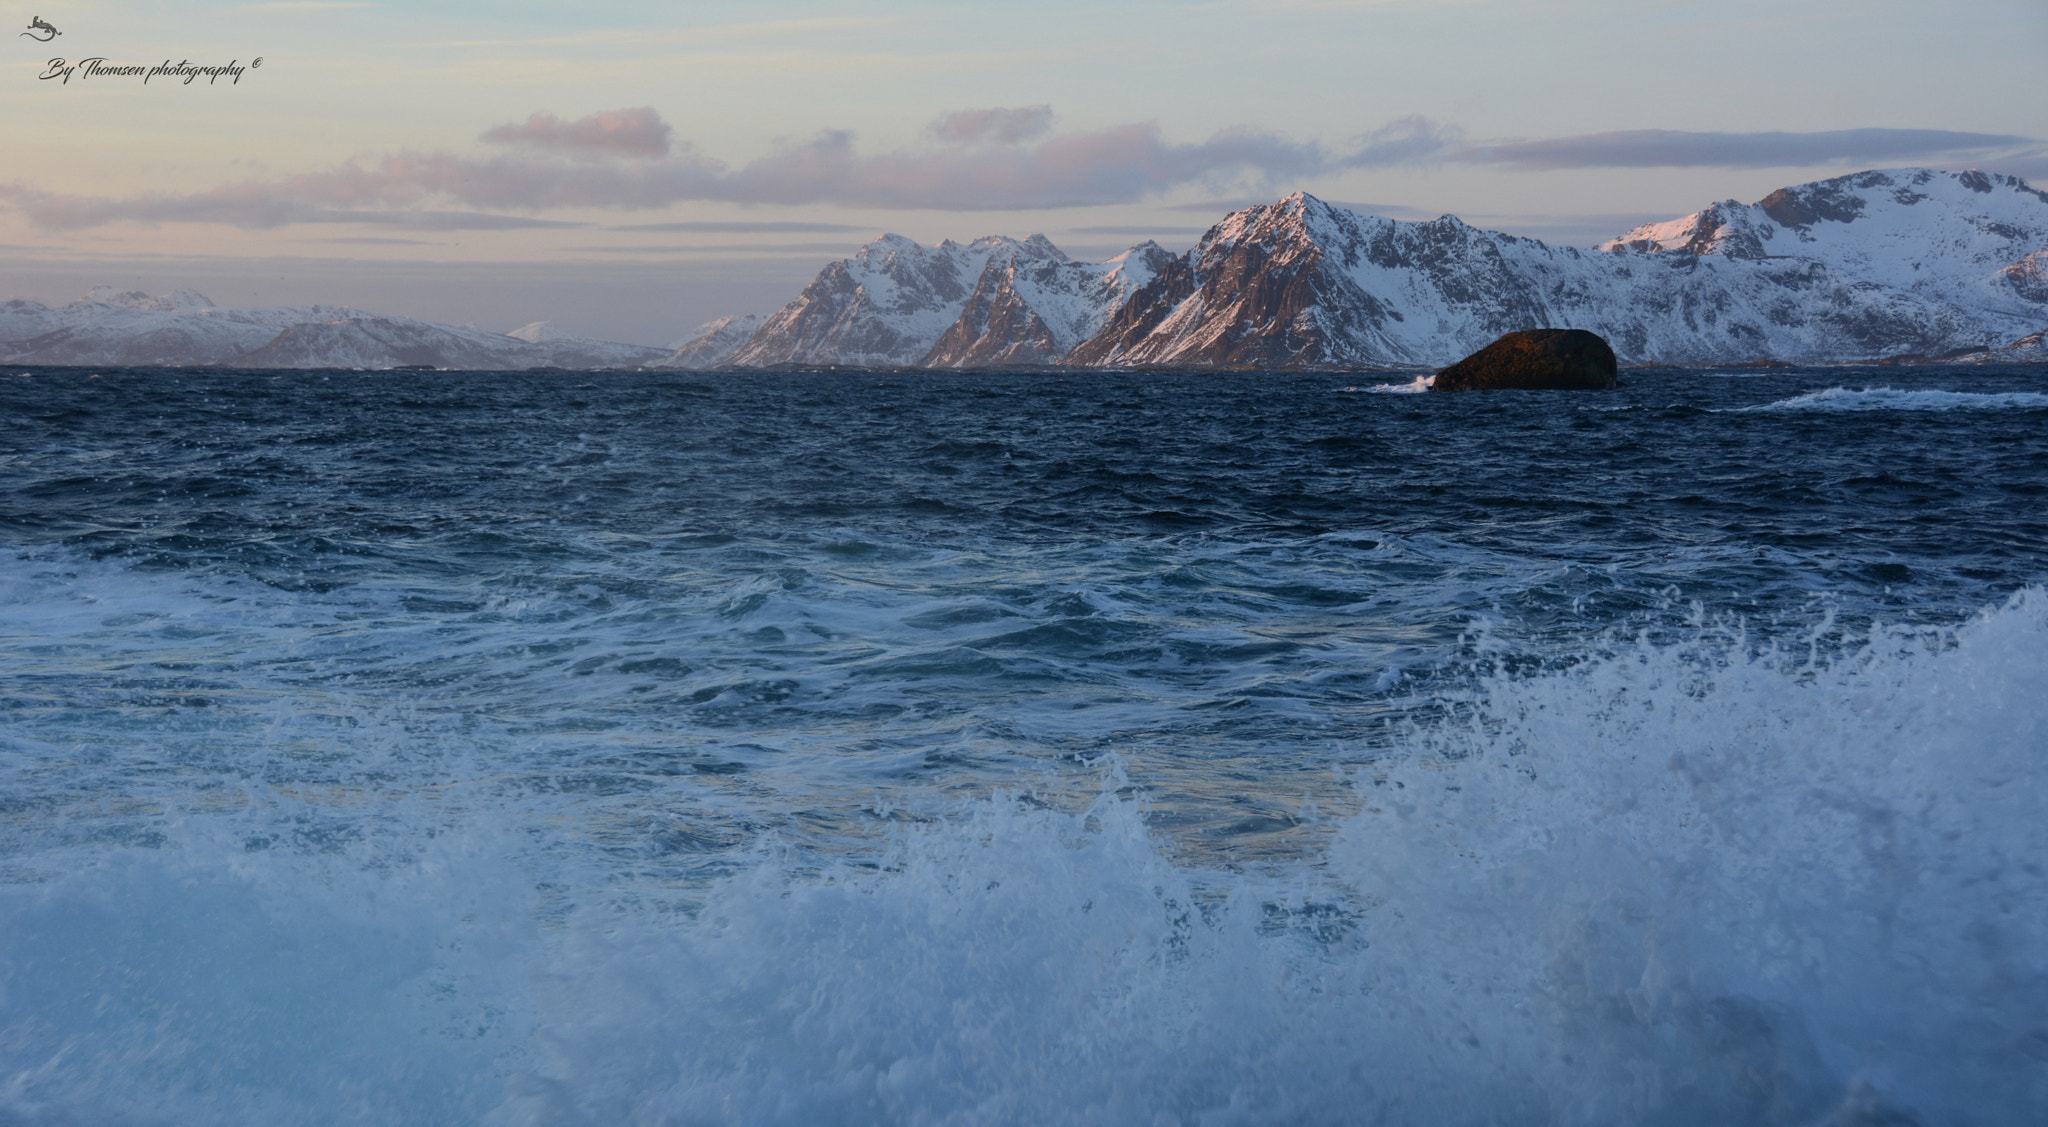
column 1104, row 747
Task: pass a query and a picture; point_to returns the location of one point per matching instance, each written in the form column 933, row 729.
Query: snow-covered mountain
column 1906, row 262
column 994, row 302
column 1034, row 308
column 1879, row 264
column 712, row 343
column 115, row 328
column 883, row 307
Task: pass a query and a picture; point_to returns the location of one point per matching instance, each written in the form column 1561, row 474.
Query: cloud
column 1138, row 232
column 636, row 132
column 743, row 227
column 449, row 220
column 973, row 160
column 999, row 126
column 2032, row 164
column 722, row 248
column 254, row 206
column 1667, row 148
column 1120, row 164
column 1406, row 141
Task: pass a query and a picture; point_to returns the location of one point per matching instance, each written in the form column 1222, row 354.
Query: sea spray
column 1692, row 883
column 1705, row 884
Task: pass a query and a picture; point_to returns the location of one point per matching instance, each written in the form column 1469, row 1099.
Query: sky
column 629, row 171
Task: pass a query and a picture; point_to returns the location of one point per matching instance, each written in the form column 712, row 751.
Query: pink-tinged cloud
column 975, row 160
column 1406, row 141
column 1115, row 165
column 635, row 133
column 999, row 125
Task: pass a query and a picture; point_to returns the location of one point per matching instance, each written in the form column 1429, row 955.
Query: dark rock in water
column 1535, row 359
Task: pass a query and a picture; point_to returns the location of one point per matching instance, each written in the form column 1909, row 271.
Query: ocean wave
column 1896, row 399
column 1671, row 884
column 1412, row 387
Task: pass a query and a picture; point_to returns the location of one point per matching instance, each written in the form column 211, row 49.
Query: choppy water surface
column 1105, row 748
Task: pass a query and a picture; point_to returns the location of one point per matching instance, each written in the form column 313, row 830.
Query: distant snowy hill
column 1907, row 262
column 114, row 328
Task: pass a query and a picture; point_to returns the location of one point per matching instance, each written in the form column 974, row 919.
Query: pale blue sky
column 769, row 137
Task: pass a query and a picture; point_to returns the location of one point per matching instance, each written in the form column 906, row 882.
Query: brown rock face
column 1536, row 359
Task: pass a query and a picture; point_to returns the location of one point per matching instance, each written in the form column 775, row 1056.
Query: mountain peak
column 537, row 332
column 179, row 301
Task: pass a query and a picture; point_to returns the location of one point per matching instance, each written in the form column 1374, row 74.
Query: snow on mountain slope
column 713, row 341
column 1881, row 264
column 112, row 328
column 370, row 341
column 883, row 307
column 994, row 301
column 1034, row 306
column 537, row 331
column 1299, row 282
column 106, row 327
column 1970, row 239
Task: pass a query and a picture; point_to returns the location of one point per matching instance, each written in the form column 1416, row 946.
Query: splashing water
column 1703, row 882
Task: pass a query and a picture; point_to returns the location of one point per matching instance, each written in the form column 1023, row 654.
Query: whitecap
column 1899, row 399
column 1670, row 884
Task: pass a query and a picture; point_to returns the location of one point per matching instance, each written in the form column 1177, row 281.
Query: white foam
column 1892, row 399
column 1414, row 386
column 1671, row 885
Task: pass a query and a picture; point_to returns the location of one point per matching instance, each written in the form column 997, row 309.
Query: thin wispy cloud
column 638, row 132
column 1120, row 164
column 452, row 221
column 2031, row 163
column 742, row 227
column 1406, row 141
column 721, row 248
column 1138, row 232
column 252, row 206
column 1668, row 148
column 1000, row 125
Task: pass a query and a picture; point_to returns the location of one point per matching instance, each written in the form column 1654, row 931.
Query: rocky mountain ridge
column 995, row 302
column 1882, row 264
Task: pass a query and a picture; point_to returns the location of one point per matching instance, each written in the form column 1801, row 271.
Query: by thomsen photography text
column 184, row 71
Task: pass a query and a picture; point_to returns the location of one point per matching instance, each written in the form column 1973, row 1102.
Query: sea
column 1105, row 748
